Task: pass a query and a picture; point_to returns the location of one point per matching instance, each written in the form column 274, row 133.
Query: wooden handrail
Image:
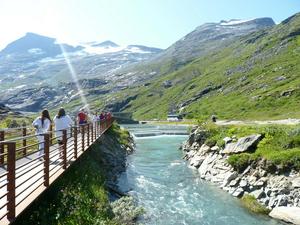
column 11, row 178
column 46, row 159
column 2, row 136
column 24, row 141
column 46, row 169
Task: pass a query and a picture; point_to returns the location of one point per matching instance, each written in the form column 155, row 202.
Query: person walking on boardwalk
column 62, row 122
column 82, row 117
column 42, row 125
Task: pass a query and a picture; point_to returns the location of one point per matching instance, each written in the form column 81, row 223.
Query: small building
column 174, row 117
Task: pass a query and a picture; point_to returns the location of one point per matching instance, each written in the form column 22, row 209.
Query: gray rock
column 195, row 146
column 262, row 173
column 296, row 182
column 273, row 202
column 258, row 194
column 234, row 183
column 266, row 201
column 221, row 167
column 246, row 170
column 197, row 161
column 287, row 214
column 243, row 183
column 204, row 149
column 228, row 177
column 260, row 183
column 200, row 136
column 238, row 192
column 282, row 200
column 243, row 144
column 252, row 179
column 268, row 192
column 227, row 140
column 206, row 164
column 215, row 148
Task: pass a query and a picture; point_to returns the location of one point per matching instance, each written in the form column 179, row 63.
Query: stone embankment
column 114, row 158
column 278, row 192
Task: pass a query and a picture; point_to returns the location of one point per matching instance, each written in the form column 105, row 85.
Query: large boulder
column 197, row 161
column 206, row 164
column 287, row 214
column 204, row 149
column 243, row 144
column 296, row 182
column 229, row 177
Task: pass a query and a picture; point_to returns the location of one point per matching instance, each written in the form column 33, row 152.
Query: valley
column 242, row 73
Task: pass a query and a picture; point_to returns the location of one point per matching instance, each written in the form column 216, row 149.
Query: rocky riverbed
column 279, row 192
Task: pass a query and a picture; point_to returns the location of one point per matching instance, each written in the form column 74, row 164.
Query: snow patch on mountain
column 233, row 22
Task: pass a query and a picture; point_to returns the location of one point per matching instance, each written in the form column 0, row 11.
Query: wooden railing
column 25, row 172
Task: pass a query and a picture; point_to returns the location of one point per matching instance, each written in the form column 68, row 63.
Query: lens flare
column 75, row 78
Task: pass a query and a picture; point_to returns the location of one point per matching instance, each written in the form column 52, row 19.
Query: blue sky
column 156, row 23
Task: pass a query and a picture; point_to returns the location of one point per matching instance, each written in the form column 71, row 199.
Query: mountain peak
column 36, row 44
column 106, row 44
column 265, row 21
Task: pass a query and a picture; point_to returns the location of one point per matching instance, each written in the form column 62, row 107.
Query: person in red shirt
column 82, row 117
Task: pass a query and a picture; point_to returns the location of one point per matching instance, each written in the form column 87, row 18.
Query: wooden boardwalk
column 24, row 175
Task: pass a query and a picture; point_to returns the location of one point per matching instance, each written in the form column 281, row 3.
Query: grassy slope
column 79, row 196
column 279, row 148
column 250, row 91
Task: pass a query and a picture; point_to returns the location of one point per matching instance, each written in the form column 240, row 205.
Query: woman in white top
column 42, row 125
column 62, row 122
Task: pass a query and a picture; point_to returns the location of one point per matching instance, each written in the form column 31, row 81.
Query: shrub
column 210, row 142
column 239, row 161
column 126, row 211
column 249, row 202
column 294, row 142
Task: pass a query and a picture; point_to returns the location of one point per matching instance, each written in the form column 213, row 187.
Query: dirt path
column 266, row 122
column 231, row 122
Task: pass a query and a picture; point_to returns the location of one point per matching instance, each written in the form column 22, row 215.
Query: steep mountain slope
column 203, row 40
column 34, row 61
column 35, row 99
column 257, row 76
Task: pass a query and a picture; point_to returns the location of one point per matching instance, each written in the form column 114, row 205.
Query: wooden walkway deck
column 23, row 177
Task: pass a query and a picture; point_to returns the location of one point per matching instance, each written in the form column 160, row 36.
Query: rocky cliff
column 273, row 189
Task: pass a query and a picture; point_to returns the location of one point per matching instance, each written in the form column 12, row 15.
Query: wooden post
column 95, row 130
column 75, row 142
column 82, row 137
column 92, row 133
column 88, row 134
column 24, row 141
column 11, row 175
column 64, row 149
column 46, row 159
column 2, row 136
column 51, row 134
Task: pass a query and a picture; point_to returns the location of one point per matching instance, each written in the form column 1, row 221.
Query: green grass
column 120, row 134
column 250, row 203
column 250, row 91
column 280, row 146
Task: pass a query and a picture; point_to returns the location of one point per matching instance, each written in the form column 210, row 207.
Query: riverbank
column 258, row 161
column 83, row 194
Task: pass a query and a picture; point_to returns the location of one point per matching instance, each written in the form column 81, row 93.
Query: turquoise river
column 170, row 191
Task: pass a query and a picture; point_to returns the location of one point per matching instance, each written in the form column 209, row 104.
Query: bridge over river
column 25, row 174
